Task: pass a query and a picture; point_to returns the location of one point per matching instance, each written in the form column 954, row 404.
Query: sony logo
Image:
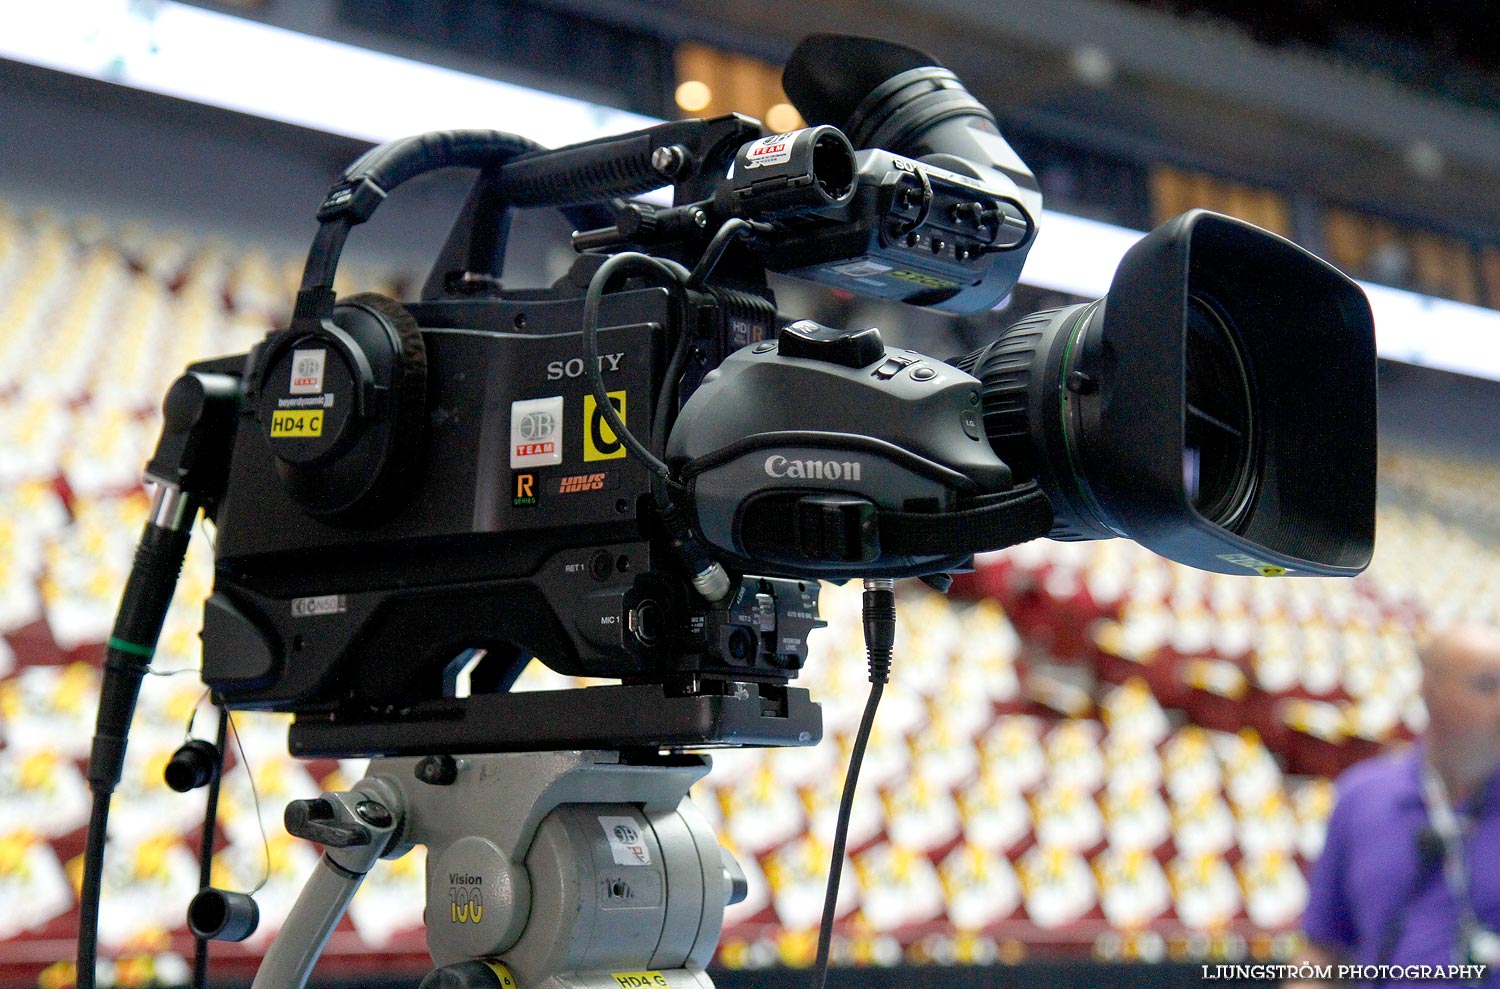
column 821, row 470
column 557, row 370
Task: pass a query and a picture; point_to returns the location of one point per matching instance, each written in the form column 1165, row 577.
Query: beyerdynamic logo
column 818, row 470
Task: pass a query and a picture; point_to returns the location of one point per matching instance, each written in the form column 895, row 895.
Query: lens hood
column 1229, row 416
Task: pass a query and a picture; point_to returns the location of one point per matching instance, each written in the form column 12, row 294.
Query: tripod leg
column 318, row 910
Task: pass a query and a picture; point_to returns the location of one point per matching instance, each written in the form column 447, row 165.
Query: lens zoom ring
column 1005, row 369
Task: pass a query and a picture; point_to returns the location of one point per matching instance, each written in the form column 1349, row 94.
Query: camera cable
column 127, row 658
column 879, row 619
column 206, row 845
column 729, row 230
column 708, row 577
column 673, row 278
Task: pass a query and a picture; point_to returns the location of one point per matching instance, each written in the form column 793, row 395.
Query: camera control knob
column 815, row 342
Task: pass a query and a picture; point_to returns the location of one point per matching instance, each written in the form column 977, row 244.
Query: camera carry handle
column 690, row 155
column 364, row 185
column 526, row 174
column 545, row 870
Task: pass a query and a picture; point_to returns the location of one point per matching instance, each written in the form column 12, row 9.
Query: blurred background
column 1094, row 765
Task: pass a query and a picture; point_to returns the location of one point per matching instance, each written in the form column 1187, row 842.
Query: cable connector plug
column 708, row 577
column 879, row 616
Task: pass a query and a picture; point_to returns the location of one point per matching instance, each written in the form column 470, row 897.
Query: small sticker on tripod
column 923, row 278
column 626, row 843
column 640, row 980
column 863, row 268
column 524, row 495
column 328, row 604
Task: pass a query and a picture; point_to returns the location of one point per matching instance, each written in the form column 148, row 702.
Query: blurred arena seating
column 1087, row 750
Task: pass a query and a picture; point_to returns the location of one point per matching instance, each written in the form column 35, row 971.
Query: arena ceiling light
column 242, row 65
column 239, row 64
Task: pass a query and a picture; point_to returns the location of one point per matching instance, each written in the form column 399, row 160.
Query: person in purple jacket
column 1410, row 871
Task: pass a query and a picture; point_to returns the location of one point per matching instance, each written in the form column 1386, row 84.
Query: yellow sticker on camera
column 599, row 441
column 300, row 425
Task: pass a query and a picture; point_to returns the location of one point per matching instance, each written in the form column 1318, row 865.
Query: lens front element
column 1219, row 425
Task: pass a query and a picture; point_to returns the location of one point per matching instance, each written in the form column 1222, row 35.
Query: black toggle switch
column 892, row 367
column 815, row 342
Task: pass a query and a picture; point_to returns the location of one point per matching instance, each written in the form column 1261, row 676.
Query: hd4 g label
column 300, row 425
column 599, row 441
column 1251, row 563
column 640, row 980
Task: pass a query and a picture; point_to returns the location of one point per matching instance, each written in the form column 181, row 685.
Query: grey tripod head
column 545, row 870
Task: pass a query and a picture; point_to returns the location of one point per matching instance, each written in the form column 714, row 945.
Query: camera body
column 526, row 530
column 641, row 472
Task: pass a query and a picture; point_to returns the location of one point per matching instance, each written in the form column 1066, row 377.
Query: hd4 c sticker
column 599, row 441
column 299, row 425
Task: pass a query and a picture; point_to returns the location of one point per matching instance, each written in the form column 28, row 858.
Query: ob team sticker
column 307, row 371
column 773, row 150
column 626, row 843
column 536, row 432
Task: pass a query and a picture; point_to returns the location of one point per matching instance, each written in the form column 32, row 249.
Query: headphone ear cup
column 409, row 380
column 406, row 384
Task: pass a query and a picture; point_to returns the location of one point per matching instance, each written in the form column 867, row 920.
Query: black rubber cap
column 219, row 915
column 193, row 765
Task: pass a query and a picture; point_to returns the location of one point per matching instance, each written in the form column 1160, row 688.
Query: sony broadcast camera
column 641, row 472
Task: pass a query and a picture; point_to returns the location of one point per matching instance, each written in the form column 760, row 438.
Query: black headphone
column 341, row 394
